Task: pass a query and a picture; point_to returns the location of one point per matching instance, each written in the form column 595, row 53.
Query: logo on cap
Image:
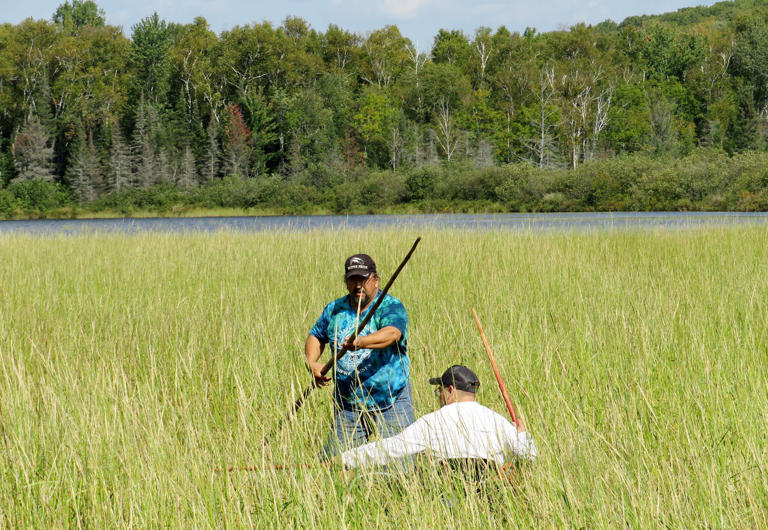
column 359, row 265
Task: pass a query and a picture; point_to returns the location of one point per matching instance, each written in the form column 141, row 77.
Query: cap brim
column 351, row 274
column 435, row 381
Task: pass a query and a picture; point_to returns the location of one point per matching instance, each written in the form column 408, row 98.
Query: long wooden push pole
column 495, row 369
column 334, row 358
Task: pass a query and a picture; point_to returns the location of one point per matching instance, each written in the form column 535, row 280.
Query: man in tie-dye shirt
column 372, row 391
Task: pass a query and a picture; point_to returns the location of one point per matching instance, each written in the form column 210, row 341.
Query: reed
column 133, row 367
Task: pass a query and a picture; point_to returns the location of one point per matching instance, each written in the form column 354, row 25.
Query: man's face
column 447, row 395
column 362, row 290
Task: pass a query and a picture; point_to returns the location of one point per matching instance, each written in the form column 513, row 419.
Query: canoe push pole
column 495, row 369
column 360, row 327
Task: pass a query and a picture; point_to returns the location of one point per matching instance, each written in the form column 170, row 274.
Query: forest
column 664, row 112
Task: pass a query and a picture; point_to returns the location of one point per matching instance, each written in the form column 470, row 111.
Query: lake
column 512, row 221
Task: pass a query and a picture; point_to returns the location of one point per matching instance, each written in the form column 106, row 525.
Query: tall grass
column 133, row 368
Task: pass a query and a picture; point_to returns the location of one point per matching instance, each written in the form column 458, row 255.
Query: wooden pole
column 495, row 369
column 334, row 358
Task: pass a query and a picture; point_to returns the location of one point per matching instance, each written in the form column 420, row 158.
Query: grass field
column 134, row 368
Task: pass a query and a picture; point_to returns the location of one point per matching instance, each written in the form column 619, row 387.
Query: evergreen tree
column 263, row 127
column 237, row 148
column 119, row 175
column 164, row 171
column 187, row 174
column 143, row 151
column 85, row 173
column 33, row 153
column 212, row 153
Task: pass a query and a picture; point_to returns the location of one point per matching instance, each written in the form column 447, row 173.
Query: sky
column 419, row 20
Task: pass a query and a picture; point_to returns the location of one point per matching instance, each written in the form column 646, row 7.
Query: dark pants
column 352, row 428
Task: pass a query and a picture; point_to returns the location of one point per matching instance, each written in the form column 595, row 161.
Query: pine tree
column 119, row 176
column 212, row 153
column 238, row 145
column 33, row 153
column 164, row 172
column 142, row 150
column 187, row 174
column 85, row 172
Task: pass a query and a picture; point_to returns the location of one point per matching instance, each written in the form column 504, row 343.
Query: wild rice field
column 134, row 369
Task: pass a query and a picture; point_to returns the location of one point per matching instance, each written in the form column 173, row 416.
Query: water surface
column 512, row 221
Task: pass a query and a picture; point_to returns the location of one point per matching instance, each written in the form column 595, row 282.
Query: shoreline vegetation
column 705, row 180
column 662, row 112
column 133, row 367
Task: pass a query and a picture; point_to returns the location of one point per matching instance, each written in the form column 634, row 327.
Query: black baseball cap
column 459, row 377
column 359, row 265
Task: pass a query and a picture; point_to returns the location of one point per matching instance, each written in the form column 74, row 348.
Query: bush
column 420, row 183
column 705, row 179
column 160, row 198
column 36, row 196
column 8, row 203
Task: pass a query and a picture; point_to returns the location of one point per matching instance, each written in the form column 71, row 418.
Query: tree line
column 289, row 115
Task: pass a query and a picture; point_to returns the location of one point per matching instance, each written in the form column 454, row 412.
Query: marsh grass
column 133, row 368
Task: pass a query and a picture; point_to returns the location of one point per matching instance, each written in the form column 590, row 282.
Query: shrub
column 39, row 195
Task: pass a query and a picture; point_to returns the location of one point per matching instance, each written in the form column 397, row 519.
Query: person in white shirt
column 461, row 429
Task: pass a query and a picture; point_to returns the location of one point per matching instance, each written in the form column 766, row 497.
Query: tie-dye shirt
column 365, row 378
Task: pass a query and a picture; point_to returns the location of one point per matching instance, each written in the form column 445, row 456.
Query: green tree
column 84, row 170
column 118, row 175
column 192, row 65
column 211, row 158
column 482, row 53
column 373, row 124
column 70, row 17
column 452, row 47
column 152, row 39
column 628, row 128
column 301, row 62
column 671, row 53
column 341, row 48
column 384, row 56
column 143, row 148
column 304, row 124
column 251, row 59
column 91, row 76
column 264, row 138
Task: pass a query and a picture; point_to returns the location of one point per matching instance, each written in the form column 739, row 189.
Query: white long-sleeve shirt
column 459, row 430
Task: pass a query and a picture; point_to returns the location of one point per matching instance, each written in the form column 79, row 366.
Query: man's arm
column 412, row 440
column 375, row 341
column 520, row 442
column 313, row 349
column 393, row 320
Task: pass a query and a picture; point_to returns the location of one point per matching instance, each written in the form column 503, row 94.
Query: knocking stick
column 495, row 369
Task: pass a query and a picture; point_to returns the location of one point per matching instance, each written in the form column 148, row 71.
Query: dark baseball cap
column 359, row 265
column 459, row 377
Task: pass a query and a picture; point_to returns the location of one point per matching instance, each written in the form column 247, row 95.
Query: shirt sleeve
column 393, row 314
column 520, row 444
column 320, row 329
column 414, row 439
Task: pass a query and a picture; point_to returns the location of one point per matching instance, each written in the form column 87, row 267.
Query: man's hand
column 519, row 424
column 316, row 368
column 346, row 474
column 352, row 343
